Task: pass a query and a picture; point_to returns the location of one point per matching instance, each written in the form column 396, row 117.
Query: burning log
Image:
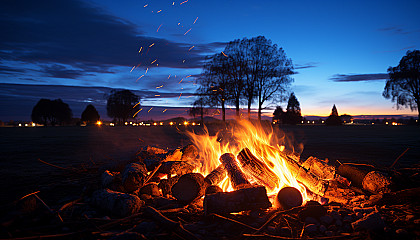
column 216, row 176
column 152, row 160
column 190, row 186
column 176, row 168
column 133, row 176
column 258, row 169
column 377, row 182
column 355, row 175
column 309, row 179
column 213, row 189
column 288, row 197
column 319, row 168
column 236, row 176
column 116, row 203
column 189, row 154
column 250, row 198
column 373, row 181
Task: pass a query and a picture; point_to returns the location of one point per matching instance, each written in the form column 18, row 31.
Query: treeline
column 121, row 106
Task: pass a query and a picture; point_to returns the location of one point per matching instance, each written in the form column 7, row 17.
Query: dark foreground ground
column 92, row 147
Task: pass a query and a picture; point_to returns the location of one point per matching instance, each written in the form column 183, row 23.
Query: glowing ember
column 266, row 147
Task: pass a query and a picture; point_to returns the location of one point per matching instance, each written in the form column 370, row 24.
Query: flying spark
column 195, row 20
column 140, row 77
column 187, row 31
column 136, row 104
column 153, row 61
column 173, row 3
column 169, row 76
column 150, row 109
column 159, row 11
column 183, row 2
column 224, row 54
column 164, row 110
column 140, row 49
column 190, row 48
column 159, row 28
column 179, row 96
column 159, row 86
column 188, row 76
column 145, row 5
column 147, row 69
column 137, row 112
column 180, row 81
column 157, row 95
column 132, row 68
column 151, row 45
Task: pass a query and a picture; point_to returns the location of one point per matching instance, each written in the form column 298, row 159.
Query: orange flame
column 245, row 134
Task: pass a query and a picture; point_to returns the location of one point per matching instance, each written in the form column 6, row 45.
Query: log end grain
column 377, row 182
column 288, row 197
column 190, row 186
column 133, row 176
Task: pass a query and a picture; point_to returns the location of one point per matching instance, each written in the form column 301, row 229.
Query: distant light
column 111, row 124
column 322, row 121
column 185, row 123
column 131, row 123
column 154, row 124
column 26, row 124
column 302, row 121
column 161, row 123
column 373, row 123
column 20, row 124
column 33, row 124
column 126, row 123
column 171, row 123
column 99, row 123
column 193, row 123
column 386, row 123
column 313, row 122
column 309, row 121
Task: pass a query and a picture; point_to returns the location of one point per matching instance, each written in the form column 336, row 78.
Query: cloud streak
column 72, row 38
column 358, row 77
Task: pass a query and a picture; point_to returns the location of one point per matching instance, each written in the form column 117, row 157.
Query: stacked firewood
column 158, row 195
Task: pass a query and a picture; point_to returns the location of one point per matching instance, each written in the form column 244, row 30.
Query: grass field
column 22, row 173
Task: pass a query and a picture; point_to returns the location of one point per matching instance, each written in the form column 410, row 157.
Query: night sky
column 340, row 49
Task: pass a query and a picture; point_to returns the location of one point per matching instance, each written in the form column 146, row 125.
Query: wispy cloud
column 358, row 77
column 306, row 65
column 398, row 30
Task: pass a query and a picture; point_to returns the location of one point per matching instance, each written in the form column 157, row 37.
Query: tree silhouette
column 270, row 70
column 122, row 105
column 199, row 109
column 293, row 113
column 90, row 115
column 51, row 112
column 278, row 115
column 403, row 85
column 333, row 119
column 214, row 83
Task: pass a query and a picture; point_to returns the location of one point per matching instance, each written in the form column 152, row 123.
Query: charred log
column 116, row 203
column 189, row 187
column 216, row 176
column 251, row 198
column 236, row 176
column 190, row 154
column 134, row 176
column 258, row 170
column 355, row 175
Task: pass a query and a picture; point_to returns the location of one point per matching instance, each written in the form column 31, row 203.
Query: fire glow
column 261, row 145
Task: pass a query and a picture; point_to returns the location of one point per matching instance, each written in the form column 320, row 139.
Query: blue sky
column 340, row 49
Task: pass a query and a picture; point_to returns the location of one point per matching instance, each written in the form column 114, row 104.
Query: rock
column 401, row 233
column 329, row 233
column 372, row 221
column 322, row 229
column 312, row 209
column 311, row 220
column 311, row 229
column 327, row 220
column 133, row 176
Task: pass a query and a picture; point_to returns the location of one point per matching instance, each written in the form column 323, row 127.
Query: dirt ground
column 20, row 148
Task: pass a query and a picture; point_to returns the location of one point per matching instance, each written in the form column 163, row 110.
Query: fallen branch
column 398, row 158
column 234, row 221
column 170, row 224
